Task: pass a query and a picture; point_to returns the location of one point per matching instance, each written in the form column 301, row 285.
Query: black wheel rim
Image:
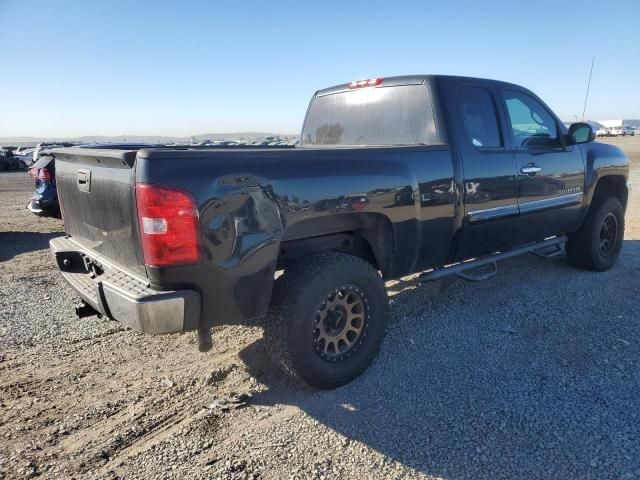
column 608, row 234
column 340, row 323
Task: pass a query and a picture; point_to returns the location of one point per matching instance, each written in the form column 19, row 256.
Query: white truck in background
column 621, row 131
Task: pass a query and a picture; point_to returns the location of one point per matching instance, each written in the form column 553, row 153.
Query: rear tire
column 597, row 244
column 328, row 319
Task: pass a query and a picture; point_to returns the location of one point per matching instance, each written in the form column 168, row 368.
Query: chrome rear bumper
column 122, row 296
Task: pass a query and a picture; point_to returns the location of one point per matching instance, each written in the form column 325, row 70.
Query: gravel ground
column 533, row 374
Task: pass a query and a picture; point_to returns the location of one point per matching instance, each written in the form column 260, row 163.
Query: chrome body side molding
column 524, row 208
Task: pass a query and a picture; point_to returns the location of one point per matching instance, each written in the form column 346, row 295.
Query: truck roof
column 417, row 79
column 388, row 82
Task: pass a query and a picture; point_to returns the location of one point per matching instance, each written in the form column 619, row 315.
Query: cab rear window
column 382, row 116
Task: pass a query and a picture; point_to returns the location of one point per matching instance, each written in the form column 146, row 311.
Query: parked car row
column 266, row 142
column 10, row 160
column 22, row 158
column 618, row 131
column 43, row 169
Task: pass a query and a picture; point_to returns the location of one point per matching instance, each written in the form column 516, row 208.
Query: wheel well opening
column 369, row 238
column 612, row 186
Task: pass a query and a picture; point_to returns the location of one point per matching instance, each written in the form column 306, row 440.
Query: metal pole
column 593, row 59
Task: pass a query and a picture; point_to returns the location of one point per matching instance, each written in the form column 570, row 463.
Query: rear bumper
column 122, row 296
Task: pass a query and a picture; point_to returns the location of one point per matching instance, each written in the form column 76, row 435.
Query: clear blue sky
column 187, row 67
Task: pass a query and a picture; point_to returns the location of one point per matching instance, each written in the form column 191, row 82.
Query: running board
column 546, row 252
column 464, row 269
column 471, row 275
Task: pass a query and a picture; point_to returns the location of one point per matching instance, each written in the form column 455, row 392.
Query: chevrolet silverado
column 423, row 173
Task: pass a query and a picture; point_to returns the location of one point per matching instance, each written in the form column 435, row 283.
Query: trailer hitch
column 84, row 310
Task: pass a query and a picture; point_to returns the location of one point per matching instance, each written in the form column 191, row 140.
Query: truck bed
column 252, row 202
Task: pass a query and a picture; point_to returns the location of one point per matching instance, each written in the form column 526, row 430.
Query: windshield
column 399, row 115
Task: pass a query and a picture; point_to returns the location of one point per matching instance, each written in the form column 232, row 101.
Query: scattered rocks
column 167, row 383
column 220, row 374
column 230, row 402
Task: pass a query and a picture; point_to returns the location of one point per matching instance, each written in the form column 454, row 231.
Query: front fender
column 602, row 160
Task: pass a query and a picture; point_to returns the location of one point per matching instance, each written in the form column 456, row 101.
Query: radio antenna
column 593, row 59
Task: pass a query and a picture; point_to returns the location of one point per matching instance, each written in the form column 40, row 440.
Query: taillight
column 40, row 174
column 168, row 219
column 372, row 82
column 44, row 175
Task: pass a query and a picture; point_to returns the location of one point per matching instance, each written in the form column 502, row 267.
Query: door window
column 480, row 118
column 531, row 123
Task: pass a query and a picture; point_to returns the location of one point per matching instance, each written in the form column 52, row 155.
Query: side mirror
column 581, row 133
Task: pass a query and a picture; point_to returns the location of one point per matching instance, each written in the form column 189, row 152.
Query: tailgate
column 96, row 193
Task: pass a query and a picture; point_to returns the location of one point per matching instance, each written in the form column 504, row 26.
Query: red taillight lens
column 372, row 82
column 40, row 174
column 168, row 219
column 44, row 175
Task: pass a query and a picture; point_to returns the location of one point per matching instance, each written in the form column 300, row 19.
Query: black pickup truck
column 424, row 173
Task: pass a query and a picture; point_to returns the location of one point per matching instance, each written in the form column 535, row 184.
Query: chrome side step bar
column 464, row 269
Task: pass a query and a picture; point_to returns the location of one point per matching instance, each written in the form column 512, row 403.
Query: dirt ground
column 532, row 374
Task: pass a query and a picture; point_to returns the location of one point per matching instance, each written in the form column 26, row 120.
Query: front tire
column 328, row 319
column 597, row 244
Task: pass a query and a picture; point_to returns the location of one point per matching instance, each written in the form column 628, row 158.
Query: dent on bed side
column 240, row 224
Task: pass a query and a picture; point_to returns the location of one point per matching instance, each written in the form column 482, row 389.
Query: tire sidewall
column 310, row 366
column 600, row 261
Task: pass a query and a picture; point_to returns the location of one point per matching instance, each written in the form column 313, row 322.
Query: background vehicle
column 9, row 160
column 24, row 157
column 23, row 149
column 44, row 201
column 45, row 147
column 45, row 198
column 621, row 130
column 602, row 132
column 6, row 160
column 393, row 176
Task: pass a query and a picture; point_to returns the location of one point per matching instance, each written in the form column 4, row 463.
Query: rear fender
column 241, row 234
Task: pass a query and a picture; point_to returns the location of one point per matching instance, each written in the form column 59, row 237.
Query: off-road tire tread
column 293, row 290
column 581, row 249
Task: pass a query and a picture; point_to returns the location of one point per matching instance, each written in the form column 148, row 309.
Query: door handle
column 530, row 170
column 84, row 180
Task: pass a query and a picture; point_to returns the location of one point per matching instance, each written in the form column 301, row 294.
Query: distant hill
column 250, row 136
